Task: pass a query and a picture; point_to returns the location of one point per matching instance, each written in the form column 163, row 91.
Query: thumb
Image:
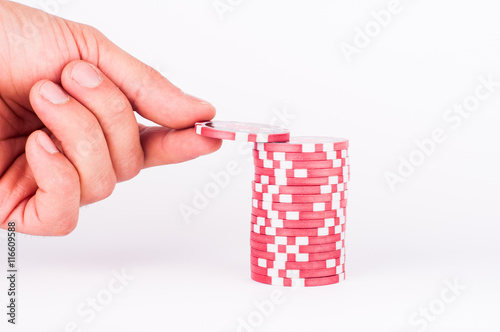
column 53, row 210
column 151, row 94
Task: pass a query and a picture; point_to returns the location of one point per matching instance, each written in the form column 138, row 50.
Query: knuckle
column 141, row 88
column 88, row 40
column 67, row 182
column 62, row 224
column 66, row 227
column 92, row 140
column 129, row 168
column 102, row 187
column 92, row 130
column 91, row 32
column 117, row 105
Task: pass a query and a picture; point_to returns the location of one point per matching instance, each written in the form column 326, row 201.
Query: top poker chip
column 304, row 144
column 242, row 131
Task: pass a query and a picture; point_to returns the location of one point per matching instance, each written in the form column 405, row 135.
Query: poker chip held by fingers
column 299, row 201
column 242, row 131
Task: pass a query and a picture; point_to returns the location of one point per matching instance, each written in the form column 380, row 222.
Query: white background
column 260, row 59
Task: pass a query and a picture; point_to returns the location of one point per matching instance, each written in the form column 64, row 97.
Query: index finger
column 150, row 94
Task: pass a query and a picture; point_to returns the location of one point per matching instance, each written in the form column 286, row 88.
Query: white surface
column 441, row 224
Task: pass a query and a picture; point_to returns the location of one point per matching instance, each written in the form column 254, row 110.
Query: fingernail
column 86, row 75
column 53, row 93
column 201, row 101
column 46, row 143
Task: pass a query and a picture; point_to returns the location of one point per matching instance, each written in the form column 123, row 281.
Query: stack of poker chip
column 299, row 211
column 299, row 199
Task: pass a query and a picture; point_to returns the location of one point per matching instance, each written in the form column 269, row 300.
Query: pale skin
column 68, row 132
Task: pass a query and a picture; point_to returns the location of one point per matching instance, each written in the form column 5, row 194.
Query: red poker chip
column 296, row 240
column 284, row 181
column 283, row 265
column 298, row 274
column 306, row 144
column 314, row 164
column 298, row 190
column 303, row 173
column 297, row 249
column 300, row 156
column 298, row 215
column 318, row 256
column 242, row 131
column 302, row 282
column 298, row 199
column 325, row 231
column 299, row 207
column 306, row 223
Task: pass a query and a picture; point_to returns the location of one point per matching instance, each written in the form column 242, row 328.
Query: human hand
column 61, row 148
